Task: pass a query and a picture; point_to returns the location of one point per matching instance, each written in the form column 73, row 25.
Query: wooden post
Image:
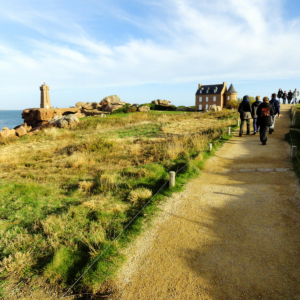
column 172, row 179
column 294, row 151
column 238, row 122
column 210, row 146
column 293, row 119
column 229, row 130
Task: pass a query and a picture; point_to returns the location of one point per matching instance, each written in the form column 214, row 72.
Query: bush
column 232, row 104
column 181, row 106
column 132, row 109
column 124, row 109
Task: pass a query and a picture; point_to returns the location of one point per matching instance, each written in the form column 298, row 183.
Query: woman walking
column 245, row 114
column 290, row 96
column 279, row 94
column 284, row 97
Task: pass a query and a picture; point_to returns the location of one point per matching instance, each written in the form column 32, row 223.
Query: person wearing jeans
column 245, row 114
column 276, row 108
column 254, row 114
column 295, row 96
column 290, row 96
column 264, row 112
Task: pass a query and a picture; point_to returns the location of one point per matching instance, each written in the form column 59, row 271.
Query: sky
column 144, row 50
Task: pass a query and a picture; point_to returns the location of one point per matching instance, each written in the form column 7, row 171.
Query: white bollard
column 172, row 179
column 238, row 122
column 294, row 151
column 210, row 146
column 229, row 130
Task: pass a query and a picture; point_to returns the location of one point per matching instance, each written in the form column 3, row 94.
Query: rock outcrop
column 6, row 132
column 143, row 108
column 64, row 121
column 161, row 102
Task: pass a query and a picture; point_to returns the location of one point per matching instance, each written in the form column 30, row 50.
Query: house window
column 200, row 91
column 206, row 107
column 200, row 99
column 216, row 89
column 207, row 91
column 228, row 98
column 215, row 98
column 200, row 106
column 206, row 99
column 214, row 105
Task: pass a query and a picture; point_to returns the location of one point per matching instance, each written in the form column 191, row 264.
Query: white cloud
column 191, row 40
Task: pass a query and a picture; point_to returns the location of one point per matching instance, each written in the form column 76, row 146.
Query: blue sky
column 145, row 50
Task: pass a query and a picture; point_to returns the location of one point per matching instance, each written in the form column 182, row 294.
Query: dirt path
column 232, row 234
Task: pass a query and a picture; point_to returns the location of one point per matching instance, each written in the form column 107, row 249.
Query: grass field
column 65, row 194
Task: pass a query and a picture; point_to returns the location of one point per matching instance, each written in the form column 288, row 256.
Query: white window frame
column 215, row 98
column 200, row 99
column 200, row 106
column 228, row 97
column 206, row 99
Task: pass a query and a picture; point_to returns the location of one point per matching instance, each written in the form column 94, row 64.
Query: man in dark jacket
column 290, row 96
column 276, row 108
column 280, row 94
column 254, row 114
column 245, row 114
column 264, row 112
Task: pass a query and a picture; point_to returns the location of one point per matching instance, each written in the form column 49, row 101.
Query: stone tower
column 45, row 98
column 231, row 94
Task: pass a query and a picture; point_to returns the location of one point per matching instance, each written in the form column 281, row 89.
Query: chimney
column 199, row 85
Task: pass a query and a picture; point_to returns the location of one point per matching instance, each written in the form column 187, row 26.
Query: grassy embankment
column 295, row 136
column 66, row 194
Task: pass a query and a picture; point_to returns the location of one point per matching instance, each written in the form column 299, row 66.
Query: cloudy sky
column 145, row 49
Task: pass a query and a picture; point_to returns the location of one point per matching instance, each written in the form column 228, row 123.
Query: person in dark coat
column 284, row 97
column 264, row 112
column 254, row 114
column 276, row 108
column 279, row 94
column 290, row 96
column 245, row 114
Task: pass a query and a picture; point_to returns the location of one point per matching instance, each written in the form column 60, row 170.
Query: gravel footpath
column 232, row 234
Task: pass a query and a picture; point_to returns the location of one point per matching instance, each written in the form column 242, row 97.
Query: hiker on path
column 295, row 96
column 276, row 109
column 245, row 114
column 254, row 114
column 279, row 94
column 284, row 97
column 290, row 96
column 264, row 112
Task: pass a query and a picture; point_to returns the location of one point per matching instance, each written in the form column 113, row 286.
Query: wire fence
column 132, row 220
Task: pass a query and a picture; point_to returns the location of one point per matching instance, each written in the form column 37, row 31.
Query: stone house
column 214, row 94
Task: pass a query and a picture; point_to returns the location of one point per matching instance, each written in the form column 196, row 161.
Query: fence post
column 293, row 119
column 229, row 130
column 210, row 146
column 172, row 179
column 294, row 151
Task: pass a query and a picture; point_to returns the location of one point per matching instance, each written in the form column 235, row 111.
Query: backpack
column 265, row 112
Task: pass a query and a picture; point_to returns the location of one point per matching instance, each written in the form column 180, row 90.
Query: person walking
column 245, row 114
column 279, row 94
column 276, row 108
column 254, row 114
column 295, row 96
column 264, row 112
column 290, row 96
column 284, row 97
